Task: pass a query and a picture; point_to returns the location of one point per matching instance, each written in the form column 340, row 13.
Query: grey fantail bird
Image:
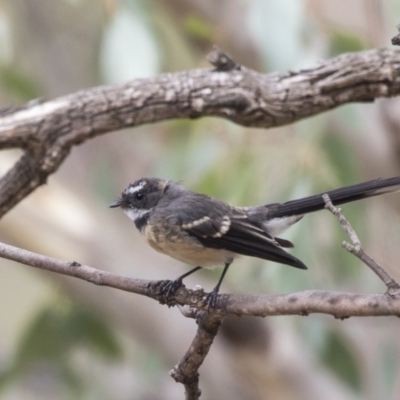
column 205, row 232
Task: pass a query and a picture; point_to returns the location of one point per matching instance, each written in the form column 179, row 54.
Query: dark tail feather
column 338, row 196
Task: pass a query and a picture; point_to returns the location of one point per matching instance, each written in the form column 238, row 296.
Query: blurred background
column 66, row 339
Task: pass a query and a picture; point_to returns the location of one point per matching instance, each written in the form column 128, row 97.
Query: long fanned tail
column 338, row 196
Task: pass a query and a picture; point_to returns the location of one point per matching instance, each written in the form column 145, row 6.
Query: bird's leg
column 171, row 286
column 211, row 298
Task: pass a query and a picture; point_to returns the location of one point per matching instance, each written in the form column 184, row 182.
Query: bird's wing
column 239, row 235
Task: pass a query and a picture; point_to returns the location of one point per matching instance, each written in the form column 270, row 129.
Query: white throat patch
column 135, row 213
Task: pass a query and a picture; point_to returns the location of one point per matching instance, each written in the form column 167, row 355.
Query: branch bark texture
column 47, row 131
column 338, row 304
column 186, row 371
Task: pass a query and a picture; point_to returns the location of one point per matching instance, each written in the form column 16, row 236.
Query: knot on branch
column 396, row 39
column 221, row 61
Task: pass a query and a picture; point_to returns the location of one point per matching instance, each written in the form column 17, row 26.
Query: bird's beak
column 117, row 203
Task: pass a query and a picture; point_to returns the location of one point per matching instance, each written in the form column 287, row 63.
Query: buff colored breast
column 189, row 251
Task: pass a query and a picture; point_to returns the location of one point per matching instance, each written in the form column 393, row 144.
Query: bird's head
column 140, row 197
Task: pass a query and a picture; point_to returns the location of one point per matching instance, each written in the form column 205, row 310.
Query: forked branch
column 356, row 249
column 337, row 304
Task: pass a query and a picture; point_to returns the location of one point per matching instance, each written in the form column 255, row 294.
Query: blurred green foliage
column 388, row 367
column 342, row 42
column 52, row 338
column 339, row 356
column 16, row 86
column 239, row 165
column 198, row 27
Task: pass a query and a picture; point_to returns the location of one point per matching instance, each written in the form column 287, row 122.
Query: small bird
column 205, row 232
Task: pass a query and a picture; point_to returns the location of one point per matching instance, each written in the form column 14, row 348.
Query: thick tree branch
column 47, row 131
column 337, row 304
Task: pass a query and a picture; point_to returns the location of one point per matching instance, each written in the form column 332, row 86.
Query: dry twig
column 356, row 249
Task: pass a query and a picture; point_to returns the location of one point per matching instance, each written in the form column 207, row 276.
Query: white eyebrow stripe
column 137, row 188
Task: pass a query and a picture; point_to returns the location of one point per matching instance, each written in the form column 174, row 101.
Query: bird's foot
column 211, row 298
column 169, row 288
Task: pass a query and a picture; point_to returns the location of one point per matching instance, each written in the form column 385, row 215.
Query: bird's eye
column 139, row 196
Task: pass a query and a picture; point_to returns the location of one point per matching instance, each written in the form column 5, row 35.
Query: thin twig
column 356, row 249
